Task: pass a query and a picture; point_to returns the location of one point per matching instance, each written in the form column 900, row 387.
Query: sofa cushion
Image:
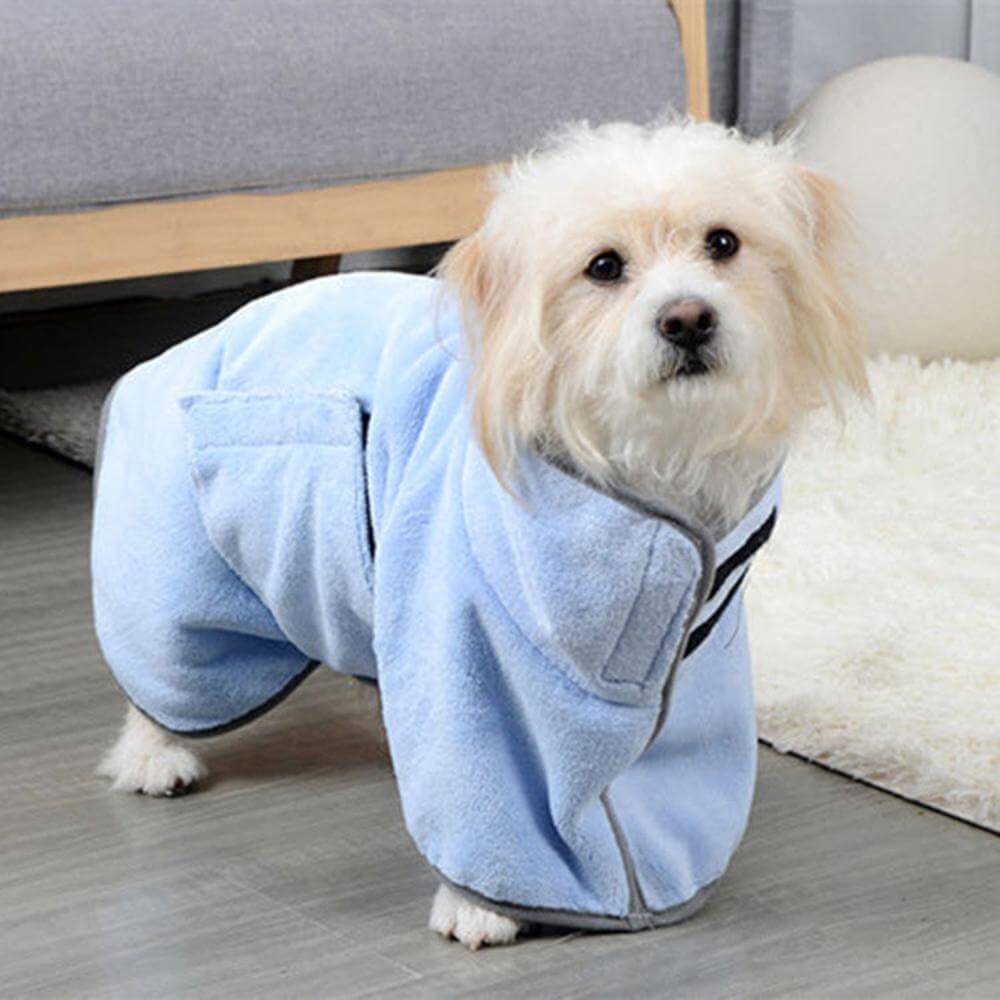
column 118, row 100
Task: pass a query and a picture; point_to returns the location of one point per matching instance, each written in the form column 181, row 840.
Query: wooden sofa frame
column 311, row 227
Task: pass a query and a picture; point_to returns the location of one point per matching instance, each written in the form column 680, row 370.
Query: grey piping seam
column 582, row 919
column 637, row 907
column 238, row 721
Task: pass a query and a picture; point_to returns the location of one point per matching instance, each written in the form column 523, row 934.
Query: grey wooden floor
column 291, row 875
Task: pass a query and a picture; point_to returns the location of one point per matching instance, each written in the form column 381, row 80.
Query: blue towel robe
column 300, row 484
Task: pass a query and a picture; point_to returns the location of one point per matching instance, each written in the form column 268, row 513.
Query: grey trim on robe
column 641, row 920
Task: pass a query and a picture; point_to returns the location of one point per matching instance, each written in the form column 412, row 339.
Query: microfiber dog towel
column 564, row 675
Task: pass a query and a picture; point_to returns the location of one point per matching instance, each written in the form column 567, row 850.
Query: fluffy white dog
column 654, row 307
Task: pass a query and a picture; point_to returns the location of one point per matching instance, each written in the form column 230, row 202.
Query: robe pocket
column 606, row 593
column 281, row 485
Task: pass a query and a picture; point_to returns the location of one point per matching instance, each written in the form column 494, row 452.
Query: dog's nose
column 687, row 323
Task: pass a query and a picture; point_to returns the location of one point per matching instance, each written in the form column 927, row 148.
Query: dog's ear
column 823, row 282
column 465, row 270
column 823, row 212
column 501, row 315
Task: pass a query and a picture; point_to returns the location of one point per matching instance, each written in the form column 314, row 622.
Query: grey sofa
column 767, row 56
column 108, row 101
column 127, row 126
column 148, row 136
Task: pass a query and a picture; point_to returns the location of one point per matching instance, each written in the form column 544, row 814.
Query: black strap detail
column 701, row 633
column 366, row 419
column 743, row 553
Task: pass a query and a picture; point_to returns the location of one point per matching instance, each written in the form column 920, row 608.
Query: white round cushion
column 914, row 143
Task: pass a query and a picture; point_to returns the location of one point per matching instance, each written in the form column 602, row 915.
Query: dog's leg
column 453, row 916
column 148, row 759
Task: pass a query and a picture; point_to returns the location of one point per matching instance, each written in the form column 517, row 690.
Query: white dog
column 655, row 307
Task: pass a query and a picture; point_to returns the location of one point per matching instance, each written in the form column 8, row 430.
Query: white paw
column 453, row 916
column 146, row 759
column 169, row 770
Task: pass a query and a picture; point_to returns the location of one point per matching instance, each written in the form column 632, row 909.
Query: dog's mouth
column 692, row 366
column 689, row 365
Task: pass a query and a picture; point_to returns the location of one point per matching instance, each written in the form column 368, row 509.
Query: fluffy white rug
column 874, row 613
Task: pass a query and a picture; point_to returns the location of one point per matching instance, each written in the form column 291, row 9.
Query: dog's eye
column 606, row 267
column 721, row 243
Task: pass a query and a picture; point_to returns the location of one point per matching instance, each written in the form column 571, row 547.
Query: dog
column 654, row 309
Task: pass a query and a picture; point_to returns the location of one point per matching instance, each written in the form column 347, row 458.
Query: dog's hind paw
column 146, row 759
column 453, row 916
column 164, row 772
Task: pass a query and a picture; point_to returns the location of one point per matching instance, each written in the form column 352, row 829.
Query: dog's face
column 643, row 297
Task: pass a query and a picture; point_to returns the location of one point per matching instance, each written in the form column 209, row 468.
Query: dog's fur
column 580, row 369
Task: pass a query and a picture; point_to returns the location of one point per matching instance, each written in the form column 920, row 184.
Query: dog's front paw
column 453, row 916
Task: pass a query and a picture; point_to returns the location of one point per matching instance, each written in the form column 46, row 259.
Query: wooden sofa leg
column 314, row 267
column 691, row 18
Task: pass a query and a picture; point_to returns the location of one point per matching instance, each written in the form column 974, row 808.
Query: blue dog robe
column 300, row 484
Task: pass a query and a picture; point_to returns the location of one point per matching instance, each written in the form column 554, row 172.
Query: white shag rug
column 874, row 613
